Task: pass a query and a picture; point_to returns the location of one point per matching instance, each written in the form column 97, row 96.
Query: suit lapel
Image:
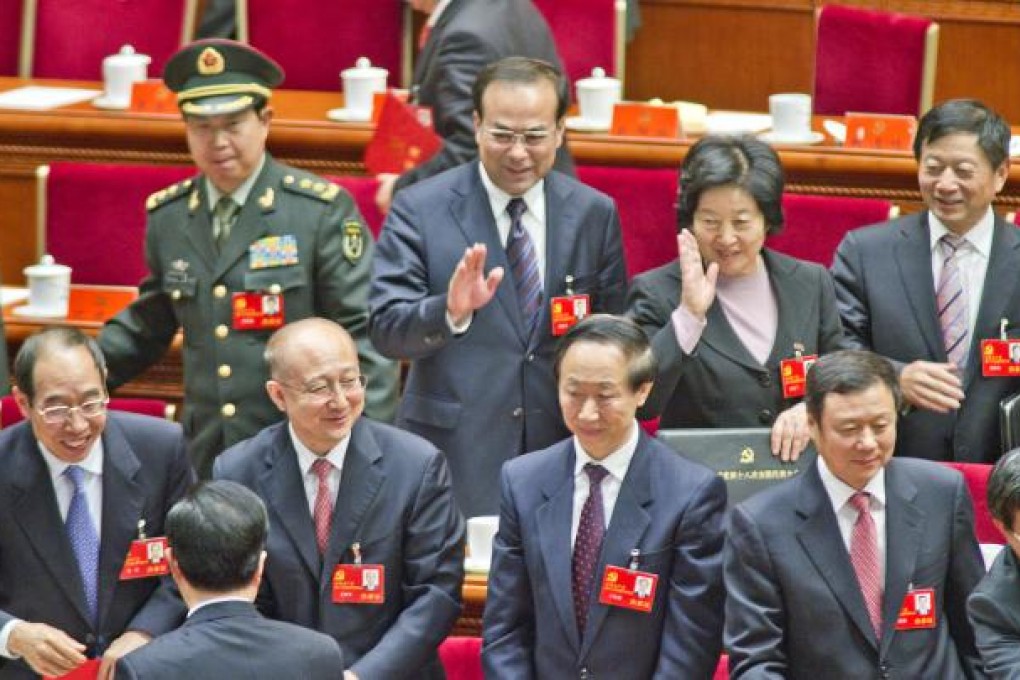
column 821, row 540
column 913, row 254
column 37, row 514
column 553, row 521
column 284, row 491
column 250, row 224
column 999, row 293
column 904, row 521
column 720, row 336
column 562, row 234
column 793, row 309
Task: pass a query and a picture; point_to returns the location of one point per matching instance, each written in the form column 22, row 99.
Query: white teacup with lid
column 120, row 72
column 49, row 288
column 359, row 84
column 596, row 96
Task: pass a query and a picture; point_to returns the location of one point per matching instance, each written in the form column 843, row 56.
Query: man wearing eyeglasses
column 365, row 540
column 77, row 487
column 475, row 272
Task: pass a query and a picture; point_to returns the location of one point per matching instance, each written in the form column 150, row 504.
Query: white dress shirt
column 972, row 258
column 311, row 481
column 846, row 515
column 616, row 463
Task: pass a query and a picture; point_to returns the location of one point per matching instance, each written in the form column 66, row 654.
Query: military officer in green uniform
column 238, row 251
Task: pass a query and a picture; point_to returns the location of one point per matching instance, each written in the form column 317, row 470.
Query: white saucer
column 773, row 138
column 581, row 125
column 29, row 310
column 343, row 115
column 476, row 566
column 101, row 102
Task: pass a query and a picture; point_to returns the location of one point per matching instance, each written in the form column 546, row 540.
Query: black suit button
column 766, row 416
column 765, row 380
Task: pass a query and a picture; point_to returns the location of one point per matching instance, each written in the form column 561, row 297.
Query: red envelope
column 87, row 671
column 401, row 140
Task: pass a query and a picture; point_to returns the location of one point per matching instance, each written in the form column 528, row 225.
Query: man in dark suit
column 462, row 37
column 609, row 513
column 238, row 251
column 365, row 540
column 994, row 606
column 925, row 290
column 861, row 566
column 217, row 537
column 481, row 386
column 77, row 486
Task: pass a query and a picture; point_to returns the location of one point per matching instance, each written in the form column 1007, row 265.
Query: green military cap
column 215, row 77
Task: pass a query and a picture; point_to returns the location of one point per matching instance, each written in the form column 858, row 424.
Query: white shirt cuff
column 461, row 329
column 5, row 634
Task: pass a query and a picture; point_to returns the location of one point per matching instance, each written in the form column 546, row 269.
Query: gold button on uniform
column 176, row 295
column 275, row 289
column 228, row 410
column 220, row 291
column 224, row 371
column 222, row 331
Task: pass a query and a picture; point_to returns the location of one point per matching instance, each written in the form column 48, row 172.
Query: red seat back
column 157, row 408
column 10, row 36
column 585, row 34
column 816, row 224
column 462, row 658
column 362, row 190
column 976, row 476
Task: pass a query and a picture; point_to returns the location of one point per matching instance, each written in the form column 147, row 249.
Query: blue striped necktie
column 520, row 254
column 952, row 302
column 81, row 531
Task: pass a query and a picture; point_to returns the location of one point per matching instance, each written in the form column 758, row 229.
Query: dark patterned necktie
column 520, row 254
column 81, row 531
column 588, row 544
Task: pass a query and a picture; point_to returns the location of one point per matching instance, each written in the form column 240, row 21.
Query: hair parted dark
column 744, row 162
column 1004, row 488
column 620, row 332
column 217, row 533
column 50, row 339
column 521, row 71
column 968, row 116
column 848, row 372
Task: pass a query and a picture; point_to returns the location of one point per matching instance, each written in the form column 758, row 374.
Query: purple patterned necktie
column 952, row 302
column 865, row 559
column 520, row 254
column 84, row 541
column 588, row 544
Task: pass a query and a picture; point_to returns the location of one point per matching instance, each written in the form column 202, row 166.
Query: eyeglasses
column 507, row 138
column 58, row 415
column 322, row 391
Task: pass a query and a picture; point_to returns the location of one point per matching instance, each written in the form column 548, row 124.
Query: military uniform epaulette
column 309, row 185
column 168, row 195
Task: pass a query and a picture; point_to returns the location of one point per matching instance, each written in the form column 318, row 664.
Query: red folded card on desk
column 87, row 671
column 401, row 140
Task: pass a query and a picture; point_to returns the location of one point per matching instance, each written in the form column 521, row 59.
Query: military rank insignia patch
column 354, row 241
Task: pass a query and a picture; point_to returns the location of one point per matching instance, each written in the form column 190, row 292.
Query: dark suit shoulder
column 925, row 472
column 883, row 234
column 248, row 455
column 672, row 468
column 139, row 429
column 401, row 446
column 666, row 274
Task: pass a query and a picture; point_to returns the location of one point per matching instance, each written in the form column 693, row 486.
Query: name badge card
column 1000, row 358
column 880, row 131
column 567, row 310
column 146, row 558
column 793, row 375
column 629, row 589
column 257, row 311
column 918, row 610
column 634, row 119
column 359, row 584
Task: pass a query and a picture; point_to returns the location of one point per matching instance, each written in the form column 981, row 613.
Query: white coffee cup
column 596, row 97
column 791, row 115
column 49, row 287
column 480, row 532
column 120, row 72
column 359, row 84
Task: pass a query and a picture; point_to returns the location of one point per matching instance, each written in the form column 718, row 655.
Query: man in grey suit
column 365, row 540
column 217, row 536
column 861, row 566
column 925, row 290
column 77, row 486
column 994, row 606
column 657, row 531
column 481, row 386
column 463, row 36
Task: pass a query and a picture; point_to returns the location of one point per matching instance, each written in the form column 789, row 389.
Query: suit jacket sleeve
column 692, row 636
column 342, row 295
column 966, row 569
column 408, row 320
column 124, row 669
column 755, row 616
column 509, row 623
column 461, row 57
column 993, row 615
column 613, row 268
column 432, row 580
column 651, row 309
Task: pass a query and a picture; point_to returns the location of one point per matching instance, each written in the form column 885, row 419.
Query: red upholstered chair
column 588, row 33
column 873, row 61
column 646, row 201
column 70, row 39
column 314, row 40
column 92, row 216
column 816, row 224
column 10, row 36
column 462, row 658
column 157, row 408
column 363, row 189
column 976, row 476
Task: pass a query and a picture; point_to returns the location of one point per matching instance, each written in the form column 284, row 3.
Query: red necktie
column 588, row 544
column 323, row 513
column 865, row 559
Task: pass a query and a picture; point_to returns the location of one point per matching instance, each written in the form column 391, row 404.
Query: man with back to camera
column 608, row 513
column 233, row 254
column 924, row 290
column 78, row 485
column 473, row 268
column 217, row 539
column 365, row 540
column 860, row 566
